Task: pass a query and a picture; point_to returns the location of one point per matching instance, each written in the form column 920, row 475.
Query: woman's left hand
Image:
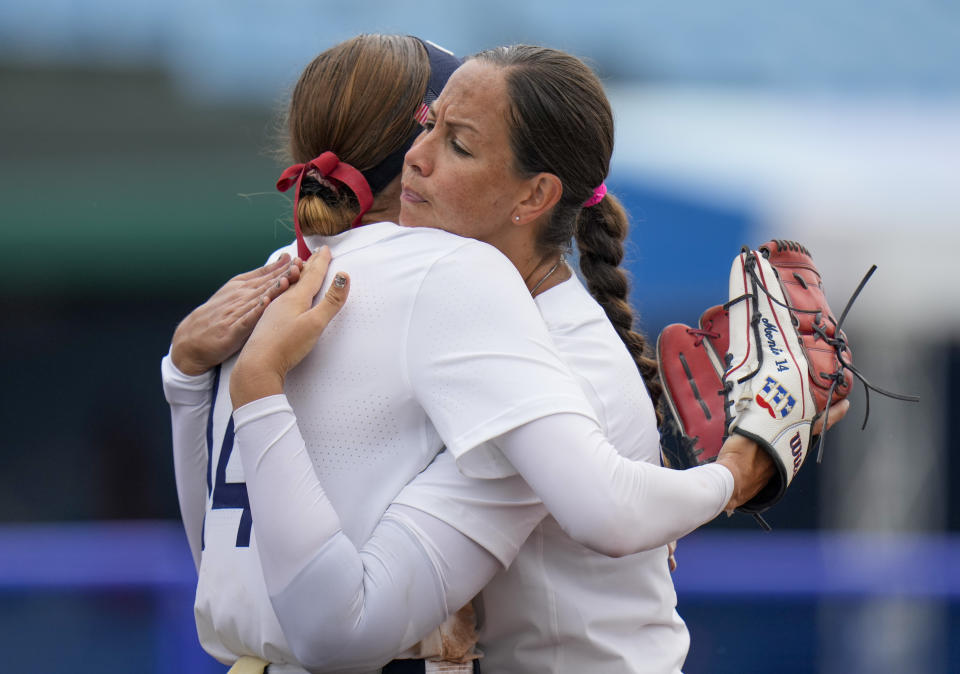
column 217, row 329
column 287, row 331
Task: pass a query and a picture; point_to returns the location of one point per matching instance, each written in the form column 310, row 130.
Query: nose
column 418, row 156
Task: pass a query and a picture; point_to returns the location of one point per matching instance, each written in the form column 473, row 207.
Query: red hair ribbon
column 329, row 166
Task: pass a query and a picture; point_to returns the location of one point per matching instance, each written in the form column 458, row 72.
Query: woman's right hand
column 751, row 467
column 287, row 332
column 217, row 329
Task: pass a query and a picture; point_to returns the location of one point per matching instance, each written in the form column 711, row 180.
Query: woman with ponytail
column 440, row 344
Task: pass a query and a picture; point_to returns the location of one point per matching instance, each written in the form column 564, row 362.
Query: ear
column 545, row 190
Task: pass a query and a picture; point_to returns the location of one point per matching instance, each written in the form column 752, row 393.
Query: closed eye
column 459, row 149
column 429, row 125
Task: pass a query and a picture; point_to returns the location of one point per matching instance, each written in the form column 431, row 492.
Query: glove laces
column 838, row 342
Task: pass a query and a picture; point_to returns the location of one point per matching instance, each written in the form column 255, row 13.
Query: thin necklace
column 533, row 290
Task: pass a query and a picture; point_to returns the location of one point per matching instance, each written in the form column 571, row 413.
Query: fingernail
column 278, row 284
column 339, row 281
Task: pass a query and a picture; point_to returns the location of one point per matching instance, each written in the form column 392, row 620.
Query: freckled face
column 459, row 175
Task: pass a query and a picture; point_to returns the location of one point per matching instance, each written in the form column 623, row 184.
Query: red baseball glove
column 765, row 365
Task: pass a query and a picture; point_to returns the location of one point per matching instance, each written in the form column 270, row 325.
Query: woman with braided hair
column 559, row 607
column 441, row 344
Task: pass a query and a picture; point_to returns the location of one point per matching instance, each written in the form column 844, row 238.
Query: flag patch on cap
column 422, row 112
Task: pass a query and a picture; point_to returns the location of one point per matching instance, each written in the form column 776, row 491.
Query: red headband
column 329, row 166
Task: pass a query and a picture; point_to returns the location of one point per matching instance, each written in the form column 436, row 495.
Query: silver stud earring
column 517, row 218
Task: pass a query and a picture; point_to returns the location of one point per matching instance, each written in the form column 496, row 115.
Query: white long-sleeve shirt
column 711, row 486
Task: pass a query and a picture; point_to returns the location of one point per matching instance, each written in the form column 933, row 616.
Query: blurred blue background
column 138, row 153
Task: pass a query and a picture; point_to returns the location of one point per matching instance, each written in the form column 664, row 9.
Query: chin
column 407, row 220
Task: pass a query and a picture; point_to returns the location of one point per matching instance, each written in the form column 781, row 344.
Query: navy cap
column 442, row 65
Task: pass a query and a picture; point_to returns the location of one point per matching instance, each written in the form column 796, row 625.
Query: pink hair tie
column 598, row 195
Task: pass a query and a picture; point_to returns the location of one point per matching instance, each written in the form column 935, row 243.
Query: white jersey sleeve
column 189, row 400
column 605, row 501
column 480, row 359
column 340, row 607
column 601, row 499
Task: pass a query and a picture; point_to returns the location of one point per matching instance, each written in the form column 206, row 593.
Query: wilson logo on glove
column 796, row 448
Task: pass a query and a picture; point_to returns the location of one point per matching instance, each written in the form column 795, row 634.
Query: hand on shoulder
column 217, row 329
column 287, row 331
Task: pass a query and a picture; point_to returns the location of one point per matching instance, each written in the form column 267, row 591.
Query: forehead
column 476, row 91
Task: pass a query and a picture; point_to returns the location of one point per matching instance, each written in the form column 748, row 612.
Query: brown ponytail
column 561, row 123
column 357, row 100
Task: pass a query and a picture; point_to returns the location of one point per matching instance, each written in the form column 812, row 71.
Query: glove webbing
column 838, row 343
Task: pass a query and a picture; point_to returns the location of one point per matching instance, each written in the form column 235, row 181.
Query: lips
column 409, row 196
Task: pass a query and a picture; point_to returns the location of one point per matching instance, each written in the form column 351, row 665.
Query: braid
column 600, row 233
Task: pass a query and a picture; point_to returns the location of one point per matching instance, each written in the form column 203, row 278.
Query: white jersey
column 561, row 608
column 439, row 344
